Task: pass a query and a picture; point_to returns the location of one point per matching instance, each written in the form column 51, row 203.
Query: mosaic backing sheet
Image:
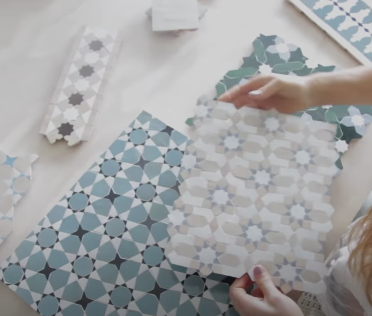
column 15, row 181
column 100, row 250
column 273, row 55
column 348, row 22
column 255, row 190
column 75, row 103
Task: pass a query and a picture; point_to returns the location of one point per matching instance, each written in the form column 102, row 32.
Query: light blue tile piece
column 83, row 266
column 94, row 289
column 117, row 147
column 25, row 295
column 58, row 279
column 123, row 204
column 24, row 249
column 121, row 186
column 13, row 274
column 173, row 157
column 57, row 259
column 148, row 304
column 110, row 167
column 145, row 192
column 56, row 214
column 151, row 153
column 121, row 296
column 161, row 139
column 106, row 252
column 69, row 224
column 73, row 309
column 131, row 155
column 96, row 309
column 153, row 256
column 115, row 227
column 87, row 179
column 73, row 292
column 71, row 244
column 127, row 249
column 138, row 136
column 78, row 201
column 100, row 189
column 156, row 125
column 102, row 207
column 37, row 283
column 108, row 273
column 47, row 237
column 48, row 306
column 90, row 221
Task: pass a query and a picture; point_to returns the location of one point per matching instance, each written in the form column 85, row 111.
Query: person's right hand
column 266, row 300
column 287, row 94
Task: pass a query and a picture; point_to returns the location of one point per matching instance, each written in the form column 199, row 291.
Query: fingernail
column 258, row 271
column 255, row 93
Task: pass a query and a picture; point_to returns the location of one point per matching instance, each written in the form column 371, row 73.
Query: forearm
column 344, row 87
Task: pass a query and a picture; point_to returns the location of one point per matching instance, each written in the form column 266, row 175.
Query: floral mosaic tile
column 255, row 190
column 273, row 55
column 74, row 106
column 15, row 181
column 348, row 22
column 100, row 250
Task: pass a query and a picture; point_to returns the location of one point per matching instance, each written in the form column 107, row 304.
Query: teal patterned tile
column 271, row 54
column 101, row 248
column 346, row 21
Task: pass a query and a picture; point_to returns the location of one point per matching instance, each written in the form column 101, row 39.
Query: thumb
column 266, row 91
column 264, row 282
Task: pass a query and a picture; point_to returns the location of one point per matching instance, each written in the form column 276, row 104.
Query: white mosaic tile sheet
column 255, row 190
column 74, row 105
column 15, row 181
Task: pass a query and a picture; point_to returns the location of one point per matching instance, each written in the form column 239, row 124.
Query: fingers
column 265, row 283
column 266, row 92
column 254, row 84
column 241, row 300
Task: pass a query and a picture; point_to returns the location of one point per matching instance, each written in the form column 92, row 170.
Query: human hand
column 287, row 94
column 266, row 300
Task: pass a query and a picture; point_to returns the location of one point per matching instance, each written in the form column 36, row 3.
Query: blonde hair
column 360, row 261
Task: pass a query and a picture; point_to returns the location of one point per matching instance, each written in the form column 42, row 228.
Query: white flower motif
column 254, row 233
column 265, row 69
column 298, row 211
column 341, row 146
column 262, row 177
column 284, row 50
column 302, row 157
column 272, row 124
column 71, row 114
column 357, row 120
column 82, row 85
column 231, row 142
column 207, row 255
column 220, row 197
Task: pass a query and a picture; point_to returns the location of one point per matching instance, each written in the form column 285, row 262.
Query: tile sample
column 348, row 22
column 202, row 9
column 255, row 190
column 271, row 54
column 15, row 181
column 175, row 15
column 100, row 250
column 74, row 106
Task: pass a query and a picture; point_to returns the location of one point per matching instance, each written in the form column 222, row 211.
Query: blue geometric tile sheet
column 100, row 250
column 349, row 22
column 15, row 181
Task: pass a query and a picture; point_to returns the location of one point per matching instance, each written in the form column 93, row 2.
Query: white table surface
column 159, row 73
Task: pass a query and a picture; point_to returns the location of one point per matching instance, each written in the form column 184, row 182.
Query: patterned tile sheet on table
column 348, row 22
column 75, row 103
column 255, row 190
column 273, row 55
column 100, row 250
column 15, row 181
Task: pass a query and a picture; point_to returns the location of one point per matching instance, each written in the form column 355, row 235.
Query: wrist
column 313, row 88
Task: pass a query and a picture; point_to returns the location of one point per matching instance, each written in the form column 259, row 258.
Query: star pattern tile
column 15, row 181
column 100, row 249
column 271, row 54
column 264, row 201
column 74, row 105
column 346, row 21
